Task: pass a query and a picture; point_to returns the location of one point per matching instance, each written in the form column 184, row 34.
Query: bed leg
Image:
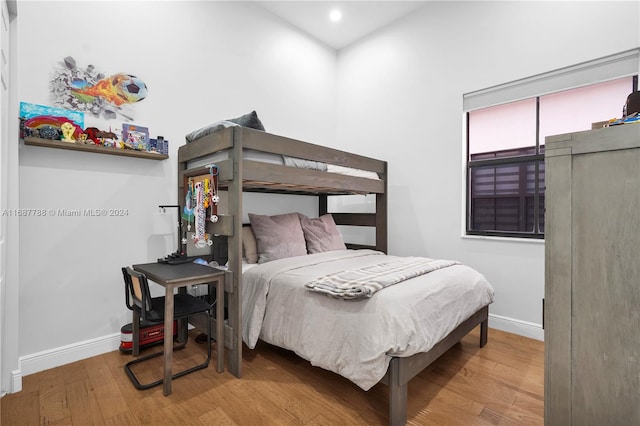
column 397, row 396
column 484, row 329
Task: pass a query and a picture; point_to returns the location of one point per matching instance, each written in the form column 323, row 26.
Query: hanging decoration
column 213, row 192
column 199, row 236
column 187, row 212
column 201, row 203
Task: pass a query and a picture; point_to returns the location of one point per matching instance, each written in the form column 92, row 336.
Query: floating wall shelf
column 92, row 148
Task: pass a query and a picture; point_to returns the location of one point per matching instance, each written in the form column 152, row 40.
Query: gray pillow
column 249, row 120
column 278, row 236
column 207, row 130
column 321, row 234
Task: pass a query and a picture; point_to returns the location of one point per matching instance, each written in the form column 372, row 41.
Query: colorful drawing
column 49, row 120
column 46, row 122
column 28, row 111
column 87, row 90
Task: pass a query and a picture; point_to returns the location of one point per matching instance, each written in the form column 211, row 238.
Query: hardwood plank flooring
column 500, row 384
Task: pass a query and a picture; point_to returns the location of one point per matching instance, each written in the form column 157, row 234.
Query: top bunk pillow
column 207, row 130
column 248, row 120
column 278, row 236
column 321, row 234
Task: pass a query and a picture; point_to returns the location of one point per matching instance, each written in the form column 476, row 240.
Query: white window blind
column 622, row 64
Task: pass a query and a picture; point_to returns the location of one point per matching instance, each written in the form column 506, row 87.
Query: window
column 505, row 145
column 505, row 170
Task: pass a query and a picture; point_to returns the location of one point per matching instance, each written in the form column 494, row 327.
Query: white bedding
column 355, row 338
column 267, row 157
column 247, row 154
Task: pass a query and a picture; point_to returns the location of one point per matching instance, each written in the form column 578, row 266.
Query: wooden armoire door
column 592, row 289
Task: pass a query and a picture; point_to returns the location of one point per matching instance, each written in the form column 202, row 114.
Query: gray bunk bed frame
column 237, row 175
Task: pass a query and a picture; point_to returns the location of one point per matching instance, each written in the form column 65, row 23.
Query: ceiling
column 359, row 18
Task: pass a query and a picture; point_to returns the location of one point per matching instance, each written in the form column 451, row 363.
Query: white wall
column 202, row 62
column 400, row 98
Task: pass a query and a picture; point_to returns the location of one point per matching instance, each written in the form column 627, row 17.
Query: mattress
column 267, row 157
column 247, row 154
column 355, row 339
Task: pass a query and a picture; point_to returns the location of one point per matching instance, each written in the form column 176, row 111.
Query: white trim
column 512, row 325
column 62, row 355
column 16, row 381
column 599, row 70
column 10, row 375
column 464, row 169
column 503, row 239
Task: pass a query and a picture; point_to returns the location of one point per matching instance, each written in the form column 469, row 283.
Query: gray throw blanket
column 363, row 283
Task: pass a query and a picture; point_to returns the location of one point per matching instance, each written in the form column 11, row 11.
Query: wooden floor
column 500, row 384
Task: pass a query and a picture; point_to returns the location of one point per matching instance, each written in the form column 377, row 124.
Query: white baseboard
column 30, row 364
column 16, row 381
column 521, row 328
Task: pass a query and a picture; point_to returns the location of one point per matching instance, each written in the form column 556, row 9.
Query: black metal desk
column 183, row 275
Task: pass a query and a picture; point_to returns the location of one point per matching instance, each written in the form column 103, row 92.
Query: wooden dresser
column 592, row 277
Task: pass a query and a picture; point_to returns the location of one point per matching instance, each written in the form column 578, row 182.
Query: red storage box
column 150, row 334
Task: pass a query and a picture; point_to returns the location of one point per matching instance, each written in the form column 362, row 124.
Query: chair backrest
column 136, row 291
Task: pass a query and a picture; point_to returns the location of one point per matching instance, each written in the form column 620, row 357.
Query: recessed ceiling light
column 335, row 15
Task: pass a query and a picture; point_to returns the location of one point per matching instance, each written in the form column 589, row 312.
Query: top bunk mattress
column 276, row 163
column 283, row 160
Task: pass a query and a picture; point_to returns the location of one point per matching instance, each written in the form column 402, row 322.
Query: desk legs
column 220, row 325
column 168, row 339
column 168, row 333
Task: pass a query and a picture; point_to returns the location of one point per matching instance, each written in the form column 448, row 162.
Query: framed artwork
column 136, row 136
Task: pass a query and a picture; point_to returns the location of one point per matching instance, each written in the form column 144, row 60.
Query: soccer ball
column 129, row 87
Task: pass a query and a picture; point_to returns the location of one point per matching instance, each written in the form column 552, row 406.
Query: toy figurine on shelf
column 92, row 135
column 107, row 139
column 49, row 132
column 67, row 132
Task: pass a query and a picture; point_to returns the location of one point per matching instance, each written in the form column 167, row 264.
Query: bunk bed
column 239, row 171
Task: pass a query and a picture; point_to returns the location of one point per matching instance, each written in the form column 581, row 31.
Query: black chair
column 151, row 309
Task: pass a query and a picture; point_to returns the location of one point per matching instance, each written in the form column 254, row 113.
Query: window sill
column 503, row 239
